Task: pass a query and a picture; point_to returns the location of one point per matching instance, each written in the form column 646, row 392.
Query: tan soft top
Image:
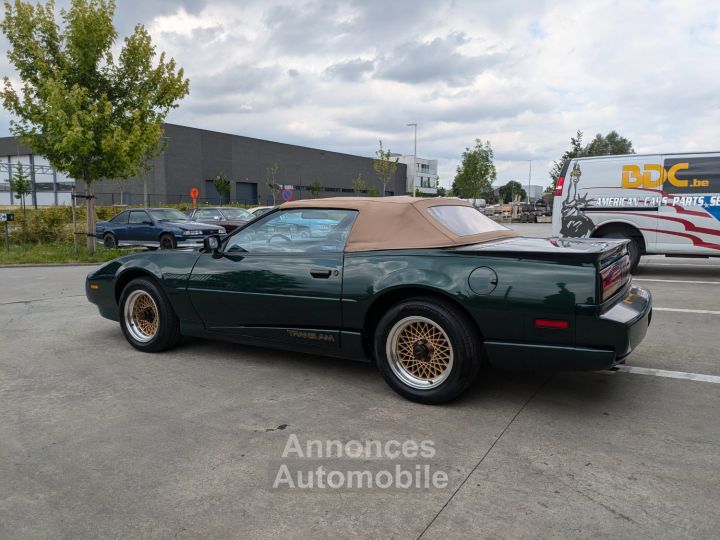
column 398, row 222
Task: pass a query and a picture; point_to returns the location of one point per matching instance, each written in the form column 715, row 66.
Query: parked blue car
column 165, row 228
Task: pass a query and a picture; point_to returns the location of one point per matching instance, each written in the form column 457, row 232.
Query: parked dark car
column 165, row 228
column 260, row 210
column 228, row 217
column 426, row 288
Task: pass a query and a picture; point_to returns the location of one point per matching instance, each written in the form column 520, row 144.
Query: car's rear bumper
column 602, row 340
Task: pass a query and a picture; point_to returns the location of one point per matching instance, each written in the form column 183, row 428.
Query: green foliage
column 609, row 145
column 20, row 184
column 512, row 191
column 441, row 192
column 272, row 184
column 384, row 167
column 315, row 188
column 372, row 191
column 91, row 116
column 476, row 173
column 222, row 186
column 359, row 184
column 57, row 253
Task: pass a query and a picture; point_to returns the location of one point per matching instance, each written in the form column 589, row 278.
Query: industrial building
column 192, row 159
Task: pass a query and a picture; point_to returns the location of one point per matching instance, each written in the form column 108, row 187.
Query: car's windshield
column 168, row 214
column 236, row 213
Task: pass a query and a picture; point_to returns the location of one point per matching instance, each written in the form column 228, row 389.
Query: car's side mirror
column 212, row 245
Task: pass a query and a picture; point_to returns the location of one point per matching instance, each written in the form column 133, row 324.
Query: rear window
column 464, row 220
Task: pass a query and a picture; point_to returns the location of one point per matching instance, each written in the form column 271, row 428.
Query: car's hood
column 576, row 249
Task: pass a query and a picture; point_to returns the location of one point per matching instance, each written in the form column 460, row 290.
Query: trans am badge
column 574, row 223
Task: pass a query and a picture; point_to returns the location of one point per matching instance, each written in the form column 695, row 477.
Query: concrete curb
column 48, row 265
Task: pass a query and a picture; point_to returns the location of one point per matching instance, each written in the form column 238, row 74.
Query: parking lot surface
column 100, row 440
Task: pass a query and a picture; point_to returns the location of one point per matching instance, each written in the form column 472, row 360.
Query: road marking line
column 670, row 374
column 677, row 281
column 679, row 310
column 680, row 264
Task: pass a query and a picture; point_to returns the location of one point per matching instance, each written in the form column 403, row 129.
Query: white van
column 663, row 203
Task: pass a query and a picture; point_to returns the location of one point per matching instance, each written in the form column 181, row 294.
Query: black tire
column 109, row 241
column 633, row 248
column 167, row 330
column 459, row 332
column 167, row 241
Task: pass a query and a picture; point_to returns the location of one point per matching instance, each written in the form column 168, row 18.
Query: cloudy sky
column 524, row 74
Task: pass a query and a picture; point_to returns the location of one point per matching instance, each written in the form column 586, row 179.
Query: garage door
column 213, row 197
column 246, row 192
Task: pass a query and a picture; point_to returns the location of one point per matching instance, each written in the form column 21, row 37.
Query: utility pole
column 414, row 172
column 529, row 174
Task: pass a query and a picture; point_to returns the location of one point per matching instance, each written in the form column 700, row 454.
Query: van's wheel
column 109, row 241
column 427, row 350
column 146, row 317
column 167, row 241
column 633, row 248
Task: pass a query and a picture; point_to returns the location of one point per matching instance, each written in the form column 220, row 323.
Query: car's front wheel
column 427, row 350
column 146, row 317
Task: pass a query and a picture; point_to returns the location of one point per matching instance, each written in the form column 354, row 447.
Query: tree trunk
column 90, row 206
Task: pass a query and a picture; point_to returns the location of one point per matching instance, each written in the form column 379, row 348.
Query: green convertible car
column 428, row 289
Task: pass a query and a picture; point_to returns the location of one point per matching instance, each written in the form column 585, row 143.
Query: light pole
column 529, row 174
column 414, row 172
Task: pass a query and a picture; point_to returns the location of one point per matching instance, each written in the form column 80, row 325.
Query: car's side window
column 121, row 218
column 295, row 231
column 138, row 216
column 207, row 214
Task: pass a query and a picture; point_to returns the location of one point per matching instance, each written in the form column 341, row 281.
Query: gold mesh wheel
column 419, row 352
column 142, row 319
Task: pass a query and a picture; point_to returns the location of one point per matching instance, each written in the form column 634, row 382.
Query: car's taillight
column 559, row 186
column 614, row 277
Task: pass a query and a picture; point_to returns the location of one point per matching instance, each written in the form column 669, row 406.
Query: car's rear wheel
column 427, row 350
column 109, row 241
column 167, row 241
column 146, row 317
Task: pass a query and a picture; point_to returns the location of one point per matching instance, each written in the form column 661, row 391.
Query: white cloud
column 523, row 74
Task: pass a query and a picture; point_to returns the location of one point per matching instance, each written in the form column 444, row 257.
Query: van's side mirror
column 212, row 245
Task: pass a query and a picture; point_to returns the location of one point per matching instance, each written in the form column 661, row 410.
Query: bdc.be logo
column 653, row 175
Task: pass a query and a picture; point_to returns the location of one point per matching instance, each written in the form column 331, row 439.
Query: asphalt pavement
column 98, row 440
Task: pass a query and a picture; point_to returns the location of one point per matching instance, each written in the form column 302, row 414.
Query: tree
column 272, row 184
column 222, row 186
column 441, row 192
column 20, row 185
column 92, row 117
column 610, row 145
column 476, row 173
column 372, row 191
column 359, row 185
column 385, row 167
column 512, row 191
column 315, row 188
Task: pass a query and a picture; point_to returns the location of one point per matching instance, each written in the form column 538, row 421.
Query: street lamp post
column 414, row 172
column 529, row 174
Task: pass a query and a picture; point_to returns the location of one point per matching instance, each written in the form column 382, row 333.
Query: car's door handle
column 320, row 273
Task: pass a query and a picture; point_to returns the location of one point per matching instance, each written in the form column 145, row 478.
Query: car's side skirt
column 348, row 345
